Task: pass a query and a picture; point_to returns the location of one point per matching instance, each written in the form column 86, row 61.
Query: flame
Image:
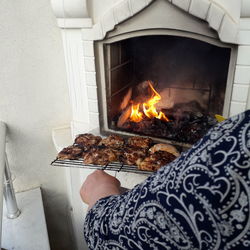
column 148, row 107
column 136, row 115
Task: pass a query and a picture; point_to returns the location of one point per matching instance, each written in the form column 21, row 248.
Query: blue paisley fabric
column 199, row 201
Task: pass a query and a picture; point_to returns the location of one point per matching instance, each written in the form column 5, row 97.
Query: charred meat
column 86, row 141
column 131, row 155
column 71, row 153
column 113, row 141
column 140, row 142
column 100, row 156
column 156, row 160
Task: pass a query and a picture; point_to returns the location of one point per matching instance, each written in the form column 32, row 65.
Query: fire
column 148, row 108
column 136, row 115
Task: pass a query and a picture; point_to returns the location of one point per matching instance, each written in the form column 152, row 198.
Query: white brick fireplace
column 83, row 22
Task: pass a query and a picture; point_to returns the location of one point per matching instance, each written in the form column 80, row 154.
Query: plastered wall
column 33, row 100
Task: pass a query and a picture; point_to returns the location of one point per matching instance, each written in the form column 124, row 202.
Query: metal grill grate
column 113, row 166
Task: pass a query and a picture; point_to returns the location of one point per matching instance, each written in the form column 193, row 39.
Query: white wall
column 33, row 100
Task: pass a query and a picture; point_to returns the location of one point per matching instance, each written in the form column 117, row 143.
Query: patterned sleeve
column 199, row 201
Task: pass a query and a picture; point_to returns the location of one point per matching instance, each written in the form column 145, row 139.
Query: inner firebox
column 165, row 86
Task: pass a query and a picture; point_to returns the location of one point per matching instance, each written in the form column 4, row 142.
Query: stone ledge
column 29, row 230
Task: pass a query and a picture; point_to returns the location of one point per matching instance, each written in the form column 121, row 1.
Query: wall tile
column 215, row 16
column 98, row 31
column 94, row 120
column 243, row 55
column 237, row 107
column 244, row 37
column 92, row 93
column 88, row 48
column 91, row 78
column 242, row 74
column 89, row 64
column 240, row 93
column 245, row 24
column 228, row 30
column 183, row 4
column 108, row 22
column 122, row 11
column 199, row 8
column 93, row 106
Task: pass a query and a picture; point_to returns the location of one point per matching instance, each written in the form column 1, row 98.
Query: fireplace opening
column 169, row 87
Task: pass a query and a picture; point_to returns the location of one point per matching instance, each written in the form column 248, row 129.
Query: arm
column 99, row 185
column 199, row 201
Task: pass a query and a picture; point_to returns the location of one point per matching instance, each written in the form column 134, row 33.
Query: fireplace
column 183, row 60
column 165, row 85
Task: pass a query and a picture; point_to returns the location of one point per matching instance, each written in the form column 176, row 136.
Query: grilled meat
column 86, row 141
column 95, row 150
column 131, row 155
column 141, row 142
column 71, row 153
column 113, row 141
column 100, row 156
column 155, row 160
column 165, row 147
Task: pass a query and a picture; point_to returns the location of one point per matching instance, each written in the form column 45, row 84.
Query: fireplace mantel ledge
column 71, row 13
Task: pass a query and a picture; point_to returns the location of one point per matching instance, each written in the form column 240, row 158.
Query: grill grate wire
column 113, row 166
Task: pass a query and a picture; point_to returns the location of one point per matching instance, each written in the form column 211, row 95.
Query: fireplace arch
column 224, row 20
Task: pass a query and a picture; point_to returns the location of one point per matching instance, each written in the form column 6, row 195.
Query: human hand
column 99, row 185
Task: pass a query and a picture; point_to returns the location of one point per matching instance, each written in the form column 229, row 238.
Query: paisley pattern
column 199, row 201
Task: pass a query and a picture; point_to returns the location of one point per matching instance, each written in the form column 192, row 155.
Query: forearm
column 103, row 191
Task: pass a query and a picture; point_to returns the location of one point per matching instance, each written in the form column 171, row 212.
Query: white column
column 76, row 78
column 241, row 87
column 72, row 17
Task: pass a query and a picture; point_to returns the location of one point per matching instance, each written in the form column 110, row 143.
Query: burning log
column 142, row 106
column 126, row 99
column 124, row 117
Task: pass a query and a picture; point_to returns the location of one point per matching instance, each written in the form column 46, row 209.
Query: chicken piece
column 118, row 152
column 132, row 154
column 165, row 147
column 71, row 153
column 141, row 142
column 156, row 160
column 100, row 156
column 113, row 141
column 86, row 141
